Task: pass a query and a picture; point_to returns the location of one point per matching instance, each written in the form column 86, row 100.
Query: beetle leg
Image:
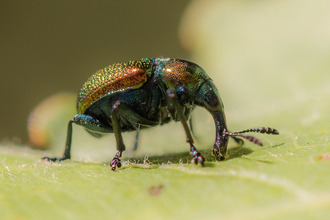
column 136, row 141
column 197, row 157
column 119, row 139
column 191, row 126
column 116, row 161
column 67, row 150
column 79, row 119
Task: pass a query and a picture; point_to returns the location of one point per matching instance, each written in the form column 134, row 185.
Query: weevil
column 150, row 92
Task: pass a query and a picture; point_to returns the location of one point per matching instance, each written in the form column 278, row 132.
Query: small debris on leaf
column 155, row 190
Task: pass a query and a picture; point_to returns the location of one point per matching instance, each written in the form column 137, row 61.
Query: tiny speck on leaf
column 155, row 190
column 324, row 157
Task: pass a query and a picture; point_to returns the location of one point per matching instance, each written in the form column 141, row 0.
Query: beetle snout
column 223, row 145
column 209, row 98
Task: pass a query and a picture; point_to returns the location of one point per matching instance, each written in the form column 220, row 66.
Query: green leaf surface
column 285, row 179
column 269, row 70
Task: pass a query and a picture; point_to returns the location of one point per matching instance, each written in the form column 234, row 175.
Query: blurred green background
column 269, row 60
column 54, row 46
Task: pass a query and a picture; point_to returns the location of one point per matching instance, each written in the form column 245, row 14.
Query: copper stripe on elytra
column 130, row 78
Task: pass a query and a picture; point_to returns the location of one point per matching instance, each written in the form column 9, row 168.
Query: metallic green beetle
column 149, row 92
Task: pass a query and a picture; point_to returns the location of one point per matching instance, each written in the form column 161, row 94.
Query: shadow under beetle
column 149, row 92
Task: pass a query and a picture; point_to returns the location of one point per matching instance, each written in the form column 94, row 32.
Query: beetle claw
column 116, row 161
column 201, row 160
column 197, row 157
column 50, row 158
column 54, row 159
column 119, row 164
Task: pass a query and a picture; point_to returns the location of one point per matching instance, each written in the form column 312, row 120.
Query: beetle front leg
column 86, row 121
column 197, row 157
column 67, row 150
column 116, row 162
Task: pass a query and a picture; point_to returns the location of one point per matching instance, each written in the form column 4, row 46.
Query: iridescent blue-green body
column 145, row 93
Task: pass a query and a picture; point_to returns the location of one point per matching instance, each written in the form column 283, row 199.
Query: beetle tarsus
column 197, row 157
column 54, row 159
column 116, row 162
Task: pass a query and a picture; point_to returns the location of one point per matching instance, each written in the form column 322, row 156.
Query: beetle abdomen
column 115, row 78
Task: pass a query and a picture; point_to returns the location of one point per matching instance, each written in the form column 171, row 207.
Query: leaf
column 266, row 78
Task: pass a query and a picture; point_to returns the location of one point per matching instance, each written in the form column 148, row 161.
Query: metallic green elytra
column 150, row 92
column 115, row 78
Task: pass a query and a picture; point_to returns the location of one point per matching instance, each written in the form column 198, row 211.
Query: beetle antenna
column 247, row 137
column 261, row 130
